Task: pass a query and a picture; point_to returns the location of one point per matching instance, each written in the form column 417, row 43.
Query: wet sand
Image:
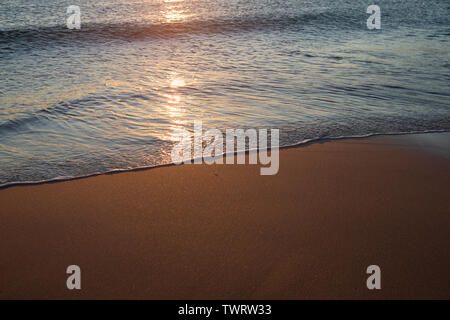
column 225, row 232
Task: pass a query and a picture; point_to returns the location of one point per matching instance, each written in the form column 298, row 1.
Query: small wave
column 131, row 31
column 302, row 143
column 36, row 116
column 14, row 124
column 62, row 108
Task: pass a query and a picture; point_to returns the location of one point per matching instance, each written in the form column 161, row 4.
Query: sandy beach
column 226, row 232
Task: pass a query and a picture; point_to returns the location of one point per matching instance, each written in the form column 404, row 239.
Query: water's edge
column 299, row 144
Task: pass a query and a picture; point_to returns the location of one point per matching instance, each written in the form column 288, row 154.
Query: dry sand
column 225, row 232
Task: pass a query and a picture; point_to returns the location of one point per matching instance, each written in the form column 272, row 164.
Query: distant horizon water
column 108, row 96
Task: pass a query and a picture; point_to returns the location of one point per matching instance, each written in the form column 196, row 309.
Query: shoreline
column 225, row 232
column 300, row 144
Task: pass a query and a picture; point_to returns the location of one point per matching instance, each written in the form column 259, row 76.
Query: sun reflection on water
column 175, row 11
column 177, row 83
column 175, row 108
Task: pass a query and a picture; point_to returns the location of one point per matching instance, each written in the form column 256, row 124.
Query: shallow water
column 109, row 95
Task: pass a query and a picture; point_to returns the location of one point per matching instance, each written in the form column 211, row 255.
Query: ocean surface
column 110, row 95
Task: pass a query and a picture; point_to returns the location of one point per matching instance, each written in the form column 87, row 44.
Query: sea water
column 109, row 95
